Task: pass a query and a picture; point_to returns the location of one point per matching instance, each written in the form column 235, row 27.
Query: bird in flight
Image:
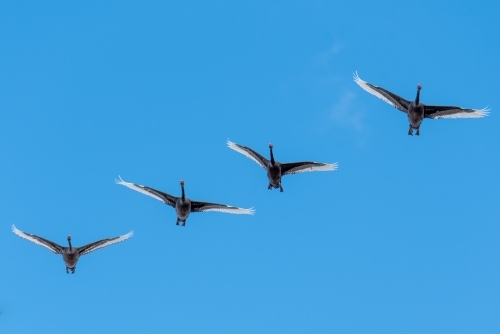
column 416, row 110
column 183, row 205
column 70, row 254
column 276, row 170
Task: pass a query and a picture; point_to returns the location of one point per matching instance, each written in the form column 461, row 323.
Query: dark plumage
column 417, row 111
column 70, row 254
column 276, row 170
column 184, row 206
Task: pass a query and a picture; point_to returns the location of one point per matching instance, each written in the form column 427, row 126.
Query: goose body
column 276, row 170
column 417, row 111
column 416, row 114
column 183, row 205
column 70, row 254
column 70, row 257
column 274, row 175
column 183, row 209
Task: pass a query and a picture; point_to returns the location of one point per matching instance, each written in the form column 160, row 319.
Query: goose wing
column 391, row 98
column 306, row 166
column 454, row 112
column 52, row 246
column 249, row 153
column 103, row 243
column 159, row 195
column 204, row 206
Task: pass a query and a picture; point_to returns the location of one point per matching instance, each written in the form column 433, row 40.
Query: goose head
column 271, row 150
column 69, row 241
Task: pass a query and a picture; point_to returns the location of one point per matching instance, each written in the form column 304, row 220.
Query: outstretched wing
column 454, row 112
column 391, row 98
column 249, row 153
column 159, row 195
column 103, row 243
column 204, row 206
column 52, row 246
column 306, row 166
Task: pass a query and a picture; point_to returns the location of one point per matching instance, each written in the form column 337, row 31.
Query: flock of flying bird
column 415, row 111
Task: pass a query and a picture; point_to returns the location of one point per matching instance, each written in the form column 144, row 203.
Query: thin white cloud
column 344, row 113
column 324, row 57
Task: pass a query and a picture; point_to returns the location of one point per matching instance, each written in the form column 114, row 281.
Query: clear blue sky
column 403, row 238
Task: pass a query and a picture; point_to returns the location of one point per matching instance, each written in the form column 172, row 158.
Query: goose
column 70, row 254
column 417, row 111
column 276, row 170
column 183, row 205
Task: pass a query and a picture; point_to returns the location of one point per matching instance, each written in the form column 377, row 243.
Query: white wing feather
column 238, row 149
column 363, row 84
column 229, row 209
column 138, row 188
column 324, row 168
column 108, row 243
column 477, row 113
column 33, row 240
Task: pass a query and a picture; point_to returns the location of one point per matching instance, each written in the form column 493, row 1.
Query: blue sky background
column 403, row 238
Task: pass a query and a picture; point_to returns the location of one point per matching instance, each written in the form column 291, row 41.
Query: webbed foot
column 418, row 132
column 410, row 131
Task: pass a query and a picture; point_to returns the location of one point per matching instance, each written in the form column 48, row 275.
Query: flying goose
column 184, row 206
column 70, row 254
column 417, row 111
column 276, row 170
